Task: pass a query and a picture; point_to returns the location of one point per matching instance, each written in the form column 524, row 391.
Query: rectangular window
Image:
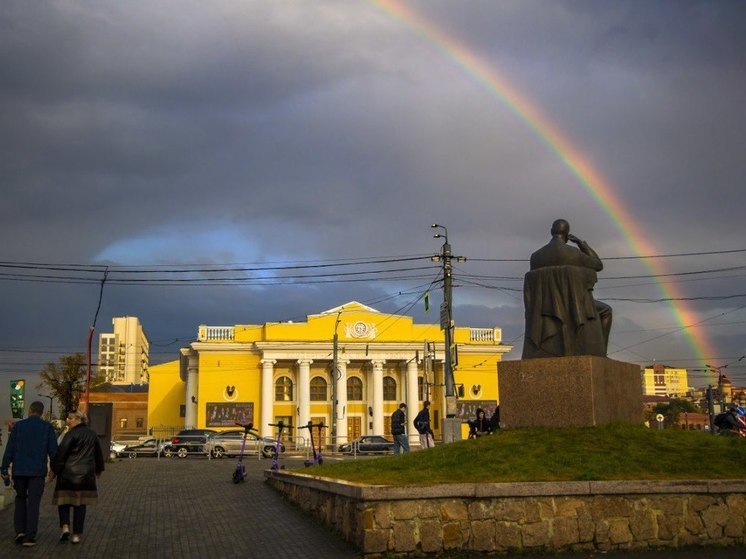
column 140, row 422
column 318, row 390
column 182, row 410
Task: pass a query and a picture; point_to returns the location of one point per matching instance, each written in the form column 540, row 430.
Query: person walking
column 398, row 430
column 422, row 424
column 32, row 443
column 79, row 461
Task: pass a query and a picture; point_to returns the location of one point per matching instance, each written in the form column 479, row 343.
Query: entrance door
column 99, row 419
column 324, row 432
column 287, row 434
column 354, row 428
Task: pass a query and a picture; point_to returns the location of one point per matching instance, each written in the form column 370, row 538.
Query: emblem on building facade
column 360, row 330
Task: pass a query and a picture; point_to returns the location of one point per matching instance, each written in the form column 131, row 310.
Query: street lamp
column 51, row 404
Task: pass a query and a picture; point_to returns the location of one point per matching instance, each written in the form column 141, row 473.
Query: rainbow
column 602, row 192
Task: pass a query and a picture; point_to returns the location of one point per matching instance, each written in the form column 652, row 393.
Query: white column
column 413, row 405
column 192, row 389
column 268, row 368
column 377, row 384
column 304, row 396
column 341, row 408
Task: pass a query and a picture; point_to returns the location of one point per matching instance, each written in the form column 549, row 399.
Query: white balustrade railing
column 493, row 335
column 216, row 333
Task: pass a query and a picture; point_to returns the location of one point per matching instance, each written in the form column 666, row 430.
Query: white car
column 115, row 449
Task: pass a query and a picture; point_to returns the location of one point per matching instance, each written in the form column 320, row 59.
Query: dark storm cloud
column 181, row 133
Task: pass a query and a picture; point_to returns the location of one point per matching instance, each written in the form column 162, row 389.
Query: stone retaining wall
column 604, row 516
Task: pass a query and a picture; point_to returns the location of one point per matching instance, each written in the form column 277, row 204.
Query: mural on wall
column 221, row 414
column 467, row 409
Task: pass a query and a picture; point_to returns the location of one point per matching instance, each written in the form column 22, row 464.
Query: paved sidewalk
column 191, row 509
column 182, row 508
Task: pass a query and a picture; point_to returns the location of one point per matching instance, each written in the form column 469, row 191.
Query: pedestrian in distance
column 422, row 424
column 32, row 443
column 79, row 461
column 398, row 430
column 495, row 419
column 732, row 422
column 479, row 426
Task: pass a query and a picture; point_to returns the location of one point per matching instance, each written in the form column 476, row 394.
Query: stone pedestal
column 576, row 391
column 451, row 430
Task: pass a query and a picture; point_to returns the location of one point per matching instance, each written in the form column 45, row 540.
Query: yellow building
column 283, row 371
column 659, row 380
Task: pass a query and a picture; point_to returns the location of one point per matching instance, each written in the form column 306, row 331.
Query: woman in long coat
column 79, row 461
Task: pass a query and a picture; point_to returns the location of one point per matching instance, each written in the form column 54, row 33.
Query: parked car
column 366, row 444
column 188, row 441
column 228, row 443
column 148, row 447
column 115, row 449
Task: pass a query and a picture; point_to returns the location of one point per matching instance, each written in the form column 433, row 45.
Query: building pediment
column 352, row 306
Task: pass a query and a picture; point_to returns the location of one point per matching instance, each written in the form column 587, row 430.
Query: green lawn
column 612, row 452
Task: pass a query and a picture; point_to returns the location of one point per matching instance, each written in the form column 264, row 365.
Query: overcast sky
column 154, row 136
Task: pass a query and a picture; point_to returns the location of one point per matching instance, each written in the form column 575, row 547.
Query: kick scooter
column 317, row 458
column 276, row 458
column 240, row 472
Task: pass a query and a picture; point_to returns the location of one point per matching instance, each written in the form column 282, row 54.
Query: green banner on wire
column 17, row 398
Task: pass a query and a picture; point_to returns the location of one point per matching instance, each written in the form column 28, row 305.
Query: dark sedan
column 148, row 447
column 368, row 444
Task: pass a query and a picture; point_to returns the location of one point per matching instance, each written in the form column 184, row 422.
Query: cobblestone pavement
column 190, row 508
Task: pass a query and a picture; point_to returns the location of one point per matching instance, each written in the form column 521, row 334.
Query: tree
column 65, row 380
column 673, row 409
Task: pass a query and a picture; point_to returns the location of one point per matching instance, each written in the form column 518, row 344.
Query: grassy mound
column 612, row 452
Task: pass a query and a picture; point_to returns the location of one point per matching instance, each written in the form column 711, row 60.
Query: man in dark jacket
column 398, row 429
column 733, row 423
column 422, row 424
column 32, row 443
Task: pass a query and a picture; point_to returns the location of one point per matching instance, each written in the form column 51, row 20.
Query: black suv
column 188, row 441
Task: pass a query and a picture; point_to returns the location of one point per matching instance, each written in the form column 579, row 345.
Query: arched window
column 354, row 389
column 284, row 389
column 389, row 389
column 318, row 389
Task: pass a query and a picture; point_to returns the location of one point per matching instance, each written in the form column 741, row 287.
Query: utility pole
column 719, row 371
column 335, row 375
column 51, row 405
column 451, row 426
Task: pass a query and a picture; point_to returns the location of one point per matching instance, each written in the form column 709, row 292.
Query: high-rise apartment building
column 660, row 380
column 123, row 355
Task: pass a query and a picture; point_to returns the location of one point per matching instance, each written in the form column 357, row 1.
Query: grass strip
column 611, row 452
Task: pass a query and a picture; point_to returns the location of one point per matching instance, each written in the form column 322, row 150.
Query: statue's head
column 562, row 228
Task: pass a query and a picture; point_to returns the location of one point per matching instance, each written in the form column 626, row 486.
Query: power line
column 639, row 257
